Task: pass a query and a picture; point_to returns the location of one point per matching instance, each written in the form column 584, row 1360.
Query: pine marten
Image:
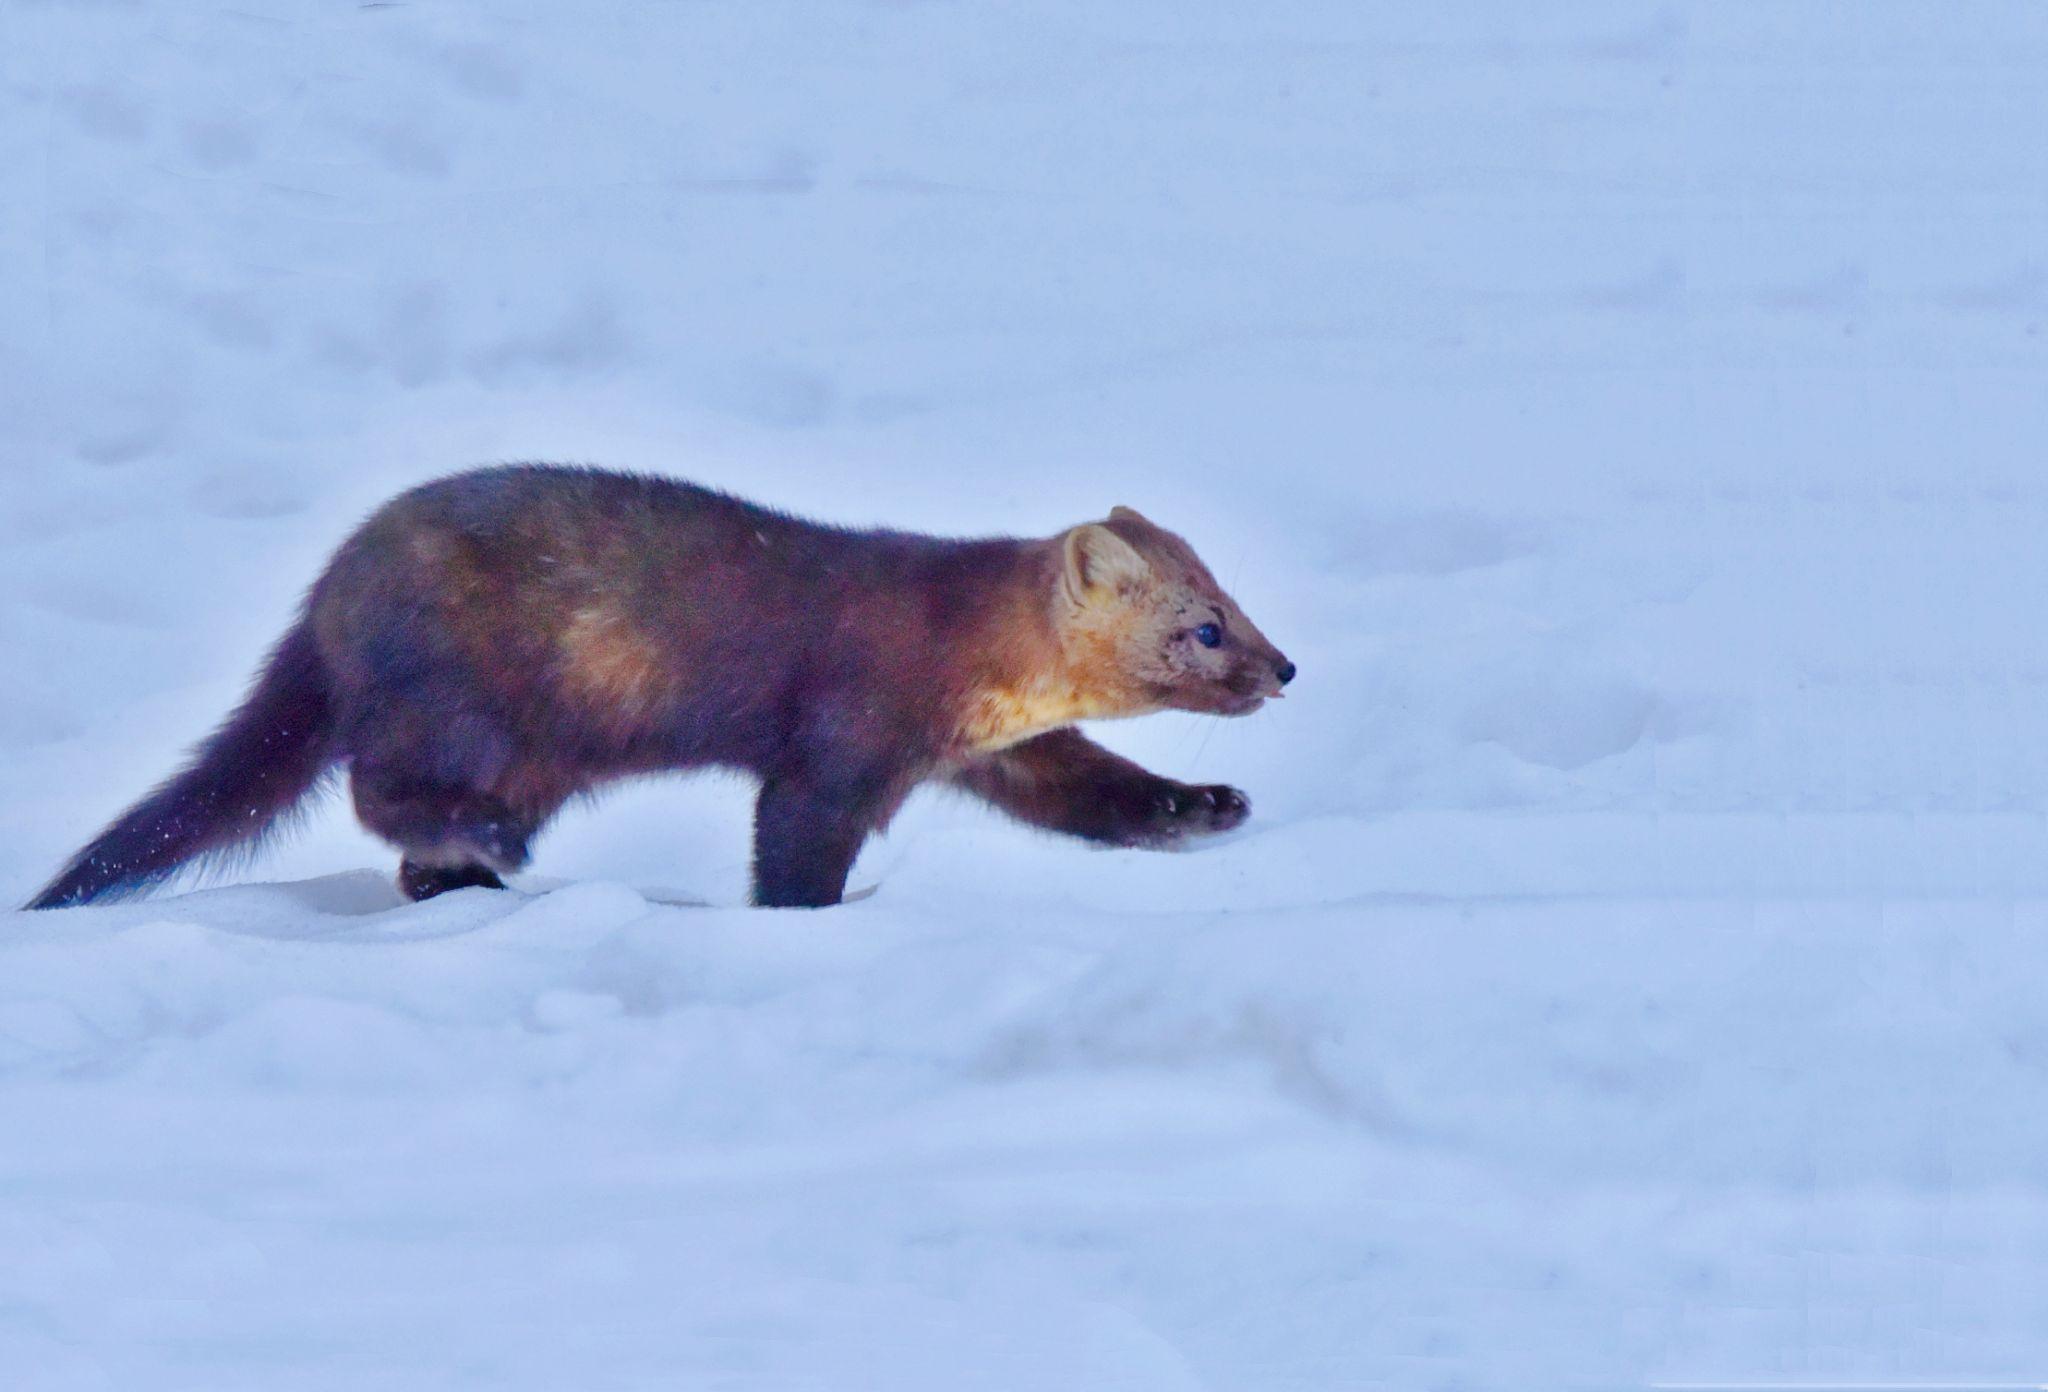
column 492, row 644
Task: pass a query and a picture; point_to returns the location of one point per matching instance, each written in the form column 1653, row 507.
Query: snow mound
column 304, row 1134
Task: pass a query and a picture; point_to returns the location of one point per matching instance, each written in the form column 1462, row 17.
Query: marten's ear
column 1098, row 560
column 1120, row 513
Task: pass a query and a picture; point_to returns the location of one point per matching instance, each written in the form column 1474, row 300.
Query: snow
column 1627, row 416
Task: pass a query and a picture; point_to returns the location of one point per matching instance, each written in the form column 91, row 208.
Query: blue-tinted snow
column 1629, row 416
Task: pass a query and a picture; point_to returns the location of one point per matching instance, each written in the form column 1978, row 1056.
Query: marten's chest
column 998, row 716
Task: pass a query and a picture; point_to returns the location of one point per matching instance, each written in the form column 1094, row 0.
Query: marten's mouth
column 1244, row 705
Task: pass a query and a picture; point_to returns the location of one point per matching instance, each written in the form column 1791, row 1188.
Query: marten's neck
column 1020, row 676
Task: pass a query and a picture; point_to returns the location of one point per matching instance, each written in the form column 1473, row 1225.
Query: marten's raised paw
column 1182, row 810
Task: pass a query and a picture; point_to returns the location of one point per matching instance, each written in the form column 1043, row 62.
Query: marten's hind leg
column 451, row 836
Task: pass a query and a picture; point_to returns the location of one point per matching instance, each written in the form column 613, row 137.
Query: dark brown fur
column 488, row 646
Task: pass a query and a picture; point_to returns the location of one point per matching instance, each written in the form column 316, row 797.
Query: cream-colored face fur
column 1135, row 605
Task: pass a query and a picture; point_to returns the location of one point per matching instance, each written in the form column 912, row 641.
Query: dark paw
column 1181, row 810
column 422, row 882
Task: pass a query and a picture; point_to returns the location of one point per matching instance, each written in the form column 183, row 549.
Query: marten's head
column 1147, row 627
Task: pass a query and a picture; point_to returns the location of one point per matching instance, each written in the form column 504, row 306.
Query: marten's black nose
column 1285, row 672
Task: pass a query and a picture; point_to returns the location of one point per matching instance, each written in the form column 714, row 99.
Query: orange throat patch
column 998, row 717
column 1053, row 665
column 1075, row 679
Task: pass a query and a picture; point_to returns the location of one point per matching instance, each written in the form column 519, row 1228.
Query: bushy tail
column 253, row 770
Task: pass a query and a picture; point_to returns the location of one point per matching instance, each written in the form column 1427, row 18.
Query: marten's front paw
column 1181, row 810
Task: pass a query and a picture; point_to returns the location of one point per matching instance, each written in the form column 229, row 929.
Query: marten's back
column 637, row 619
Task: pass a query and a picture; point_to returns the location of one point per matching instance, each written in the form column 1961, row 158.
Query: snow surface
column 1629, row 417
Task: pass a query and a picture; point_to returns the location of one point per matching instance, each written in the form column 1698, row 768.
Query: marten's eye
column 1210, row 635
